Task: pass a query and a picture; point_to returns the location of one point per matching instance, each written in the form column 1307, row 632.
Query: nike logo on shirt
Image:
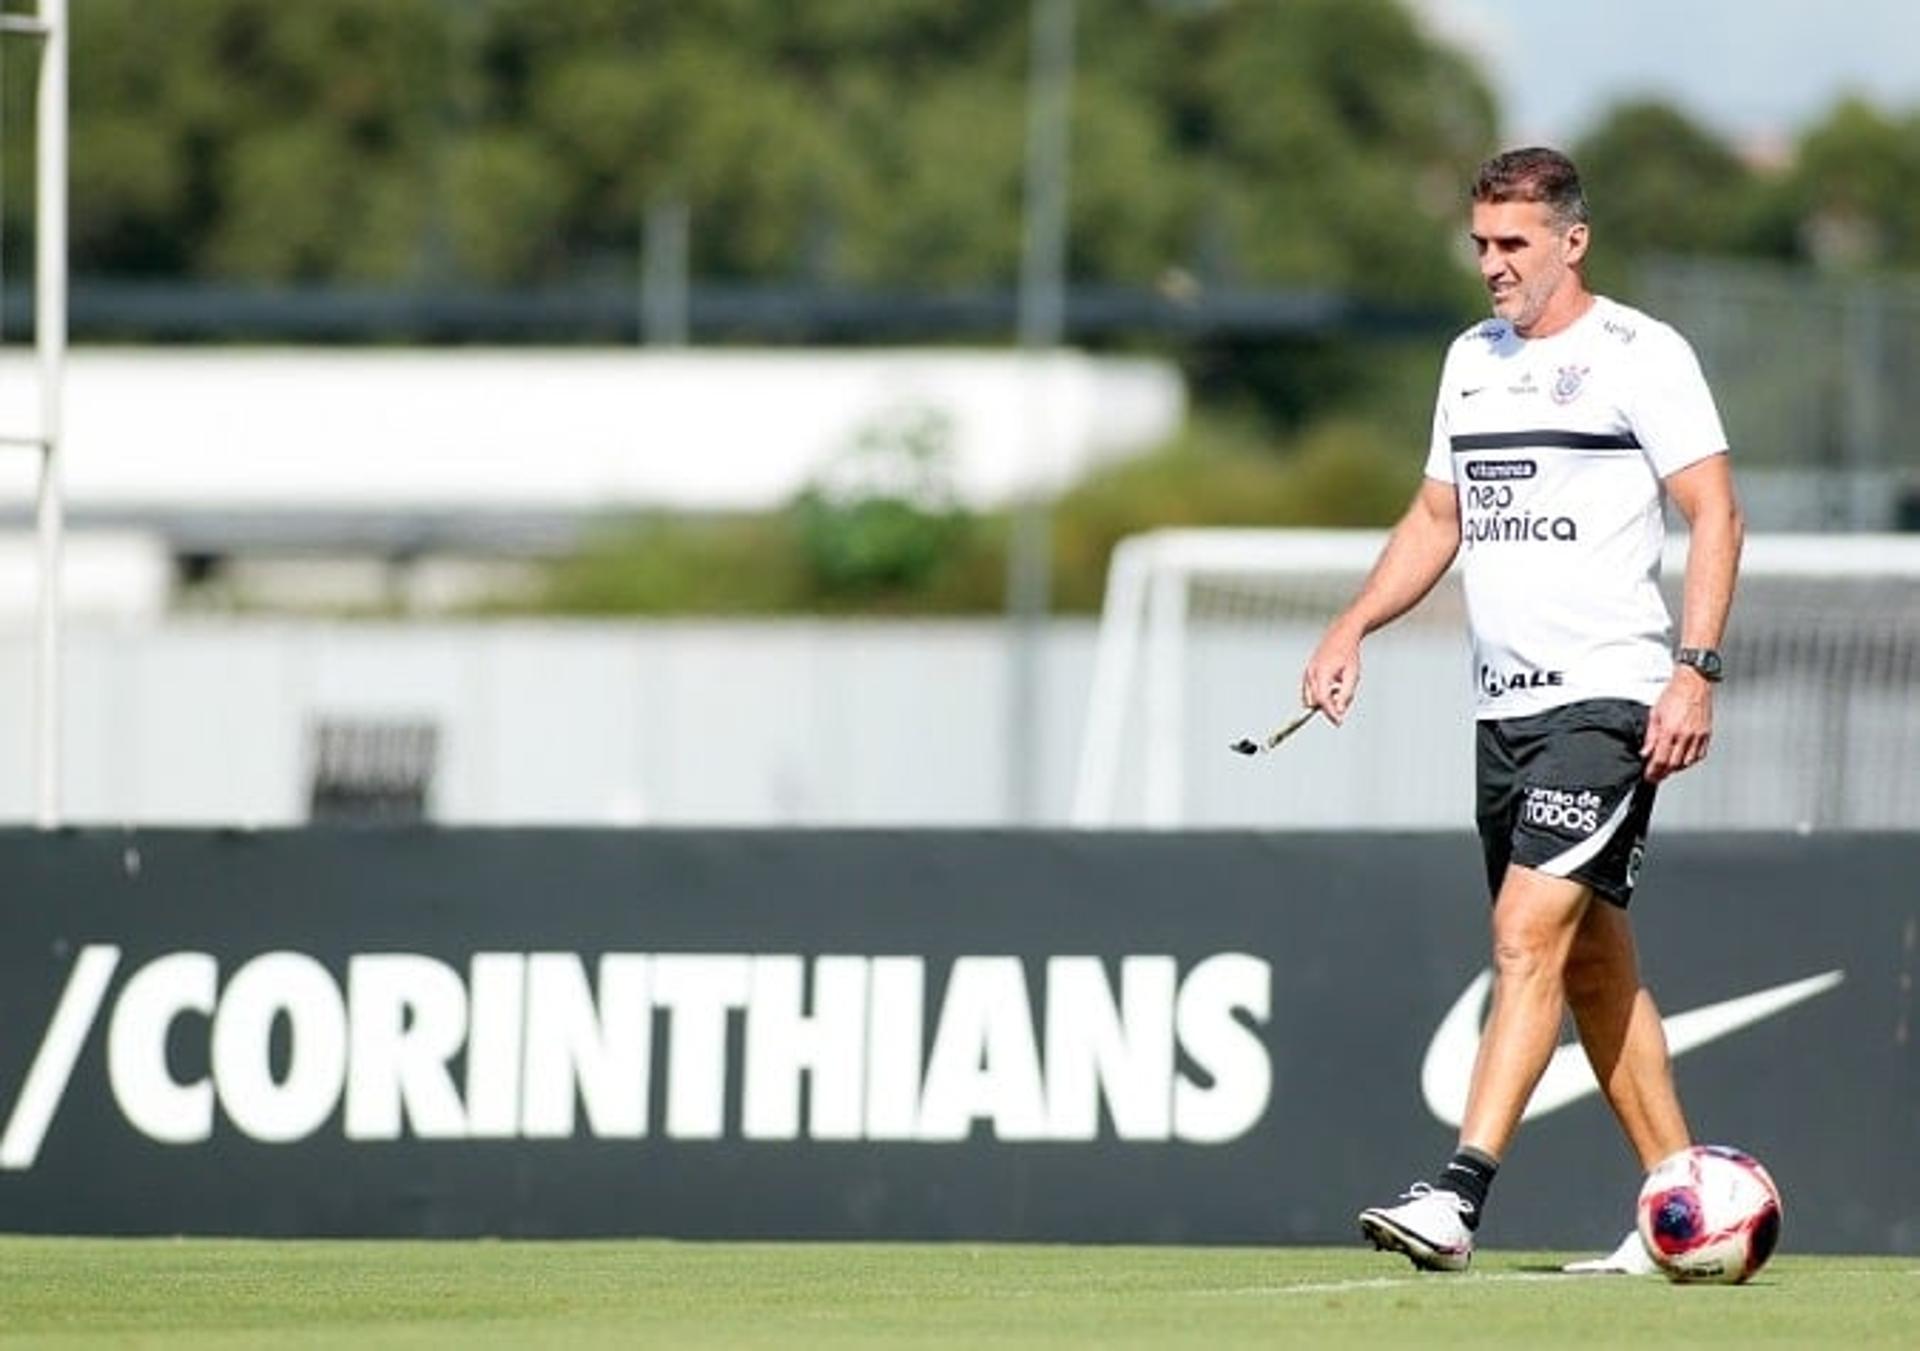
column 1448, row 1066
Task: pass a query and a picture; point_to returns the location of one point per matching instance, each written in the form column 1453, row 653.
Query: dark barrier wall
column 1211, row 1038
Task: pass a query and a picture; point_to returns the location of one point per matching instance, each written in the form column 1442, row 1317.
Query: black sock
column 1469, row 1173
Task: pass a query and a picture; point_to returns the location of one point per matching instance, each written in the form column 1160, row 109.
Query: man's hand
column 1415, row 557
column 1332, row 676
column 1680, row 725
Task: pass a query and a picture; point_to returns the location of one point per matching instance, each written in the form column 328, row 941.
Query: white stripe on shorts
column 1562, row 865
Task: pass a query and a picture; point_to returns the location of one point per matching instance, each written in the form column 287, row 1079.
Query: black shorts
column 1561, row 792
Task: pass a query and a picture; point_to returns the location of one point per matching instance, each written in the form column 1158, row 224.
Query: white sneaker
column 1629, row 1259
column 1428, row 1225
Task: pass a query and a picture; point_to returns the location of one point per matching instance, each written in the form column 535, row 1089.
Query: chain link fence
column 1818, row 381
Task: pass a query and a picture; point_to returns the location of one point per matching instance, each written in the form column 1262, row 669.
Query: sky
column 1756, row 71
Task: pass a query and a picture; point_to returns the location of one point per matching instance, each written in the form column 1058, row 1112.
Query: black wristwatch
column 1705, row 660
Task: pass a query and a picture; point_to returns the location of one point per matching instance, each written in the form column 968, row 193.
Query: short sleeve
column 1671, row 409
column 1440, row 444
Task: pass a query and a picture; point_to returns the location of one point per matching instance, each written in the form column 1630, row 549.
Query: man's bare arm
column 1681, row 723
column 1417, row 555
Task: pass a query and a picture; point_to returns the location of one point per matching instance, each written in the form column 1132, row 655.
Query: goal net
column 1204, row 633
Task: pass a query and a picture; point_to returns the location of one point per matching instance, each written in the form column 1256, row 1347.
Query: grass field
column 171, row 1292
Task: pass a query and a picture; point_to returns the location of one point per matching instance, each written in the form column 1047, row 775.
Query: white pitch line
column 1430, row 1280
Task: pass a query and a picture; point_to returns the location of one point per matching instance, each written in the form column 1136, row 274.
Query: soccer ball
column 1709, row 1213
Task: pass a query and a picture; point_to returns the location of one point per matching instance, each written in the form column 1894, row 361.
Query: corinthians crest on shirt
column 1568, row 381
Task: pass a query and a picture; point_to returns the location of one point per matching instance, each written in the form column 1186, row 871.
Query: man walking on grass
column 1562, row 427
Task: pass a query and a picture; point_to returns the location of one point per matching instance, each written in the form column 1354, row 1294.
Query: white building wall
column 559, row 431
column 686, row 723
column 898, row 723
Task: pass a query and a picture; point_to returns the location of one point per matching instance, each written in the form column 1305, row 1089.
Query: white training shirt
column 1556, row 448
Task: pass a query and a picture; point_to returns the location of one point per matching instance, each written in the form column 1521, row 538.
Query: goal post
column 1203, row 633
column 1140, row 654
column 47, row 29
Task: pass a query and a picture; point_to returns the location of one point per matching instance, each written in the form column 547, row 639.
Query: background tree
column 1852, row 194
column 859, row 141
column 1318, row 143
column 251, row 140
column 1660, row 183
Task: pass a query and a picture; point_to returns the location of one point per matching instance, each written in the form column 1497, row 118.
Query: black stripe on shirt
column 1546, row 438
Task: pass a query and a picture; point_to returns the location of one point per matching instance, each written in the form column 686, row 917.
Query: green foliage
column 1854, row 188
column 765, row 564
column 505, row 200
column 1313, row 143
column 1223, row 472
column 1345, row 136
column 1294, row 383
column 1660, row 183
column 675, row 565
column 1348, row 472
column 251, row 139
column 883, row 517
column 880, row 533
column 1848, row 198
column 1316, row 144
column 305, row 205
column 879, row 530
column 939, row 201
column 874, row 141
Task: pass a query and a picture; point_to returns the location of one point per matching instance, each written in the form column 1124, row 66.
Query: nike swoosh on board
column 1448, row 1066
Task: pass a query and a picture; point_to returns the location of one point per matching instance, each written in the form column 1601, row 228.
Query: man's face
column 1525, row 262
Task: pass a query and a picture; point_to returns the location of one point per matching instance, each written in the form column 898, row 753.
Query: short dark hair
column 1535, row 174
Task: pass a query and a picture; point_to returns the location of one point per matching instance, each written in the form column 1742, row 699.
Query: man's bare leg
column 1535, row 920
column 1620, row 1029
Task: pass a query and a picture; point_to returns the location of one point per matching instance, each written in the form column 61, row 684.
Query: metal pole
column 663, row 274
column 50, row 341
column 1043, row 267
